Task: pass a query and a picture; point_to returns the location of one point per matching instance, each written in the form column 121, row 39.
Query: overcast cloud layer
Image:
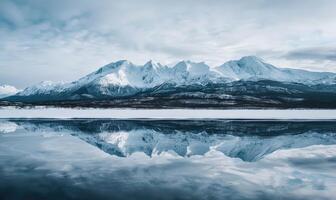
column 64, row 40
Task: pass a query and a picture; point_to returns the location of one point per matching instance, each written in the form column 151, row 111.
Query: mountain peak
column 251, row 59
column 193, row 68
column 112, row 66
column 249, row 67
column 253, row 63
column 119, row 63
column 111, row 78
column 152, row 64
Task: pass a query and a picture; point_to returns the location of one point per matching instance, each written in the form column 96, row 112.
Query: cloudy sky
column 66, row 39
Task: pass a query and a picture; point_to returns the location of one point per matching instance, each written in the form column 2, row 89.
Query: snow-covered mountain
column 126, row 74
column 7, row 90
column 247, row 81
column 254, row 68
column 111, row 78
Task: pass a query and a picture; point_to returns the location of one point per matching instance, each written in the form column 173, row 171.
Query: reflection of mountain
column 248, row 82
column 248, row 140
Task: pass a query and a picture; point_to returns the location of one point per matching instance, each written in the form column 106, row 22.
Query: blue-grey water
column 158, row 159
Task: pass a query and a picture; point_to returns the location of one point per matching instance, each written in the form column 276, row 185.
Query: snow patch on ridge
column 44, row 87
column 7, row 90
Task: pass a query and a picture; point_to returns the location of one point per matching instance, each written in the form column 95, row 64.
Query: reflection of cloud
column 7, row 127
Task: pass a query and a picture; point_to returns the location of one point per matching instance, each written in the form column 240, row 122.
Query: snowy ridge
column 44, row 87
column 254, row 68
column 125, row 73
column 7, row 90
column 109, row 79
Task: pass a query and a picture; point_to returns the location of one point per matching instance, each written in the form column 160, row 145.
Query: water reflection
column 247, row 140
column 120, row 159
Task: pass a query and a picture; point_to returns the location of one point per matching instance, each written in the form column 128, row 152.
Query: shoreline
column 169, row 114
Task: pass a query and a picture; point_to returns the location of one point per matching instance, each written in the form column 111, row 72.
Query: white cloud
column 68, row 39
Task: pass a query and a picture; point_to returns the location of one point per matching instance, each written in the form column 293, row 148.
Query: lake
column 167, row 159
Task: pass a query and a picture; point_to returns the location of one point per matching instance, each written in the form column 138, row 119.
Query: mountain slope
column 248, row 82
column 253, row 68
column 123, row 78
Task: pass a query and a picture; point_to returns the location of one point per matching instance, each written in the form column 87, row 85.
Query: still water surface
column 167, row 159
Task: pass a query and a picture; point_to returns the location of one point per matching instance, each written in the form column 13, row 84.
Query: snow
column 11, row 112
column 254, row 68
column 44, row 87
column 7, row 90
column 124, row 73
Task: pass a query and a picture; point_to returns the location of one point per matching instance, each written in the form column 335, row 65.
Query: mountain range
column 249, row 82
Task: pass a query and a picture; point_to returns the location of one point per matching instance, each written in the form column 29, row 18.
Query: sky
column 62, row 40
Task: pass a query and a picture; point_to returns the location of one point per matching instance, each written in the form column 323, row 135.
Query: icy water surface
column 158, row 159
